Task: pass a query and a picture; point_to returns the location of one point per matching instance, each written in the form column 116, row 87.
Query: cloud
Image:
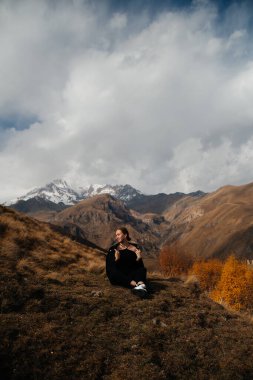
column 222, row 164
column 162, row 103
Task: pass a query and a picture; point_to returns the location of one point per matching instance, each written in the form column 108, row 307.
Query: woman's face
column 120, row 236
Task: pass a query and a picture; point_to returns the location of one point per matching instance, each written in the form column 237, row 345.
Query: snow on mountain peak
column 60, row 191
column 123, row 192
column 60, row 183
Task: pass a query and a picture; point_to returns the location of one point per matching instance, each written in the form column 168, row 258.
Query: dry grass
column 84, row 328
column 61, row 321
column 32, row 247
column 31, row 253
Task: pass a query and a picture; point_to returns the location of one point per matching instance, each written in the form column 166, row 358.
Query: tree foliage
column 208, row 273
column 229, row 282
column 235, row 287
column 174, row 261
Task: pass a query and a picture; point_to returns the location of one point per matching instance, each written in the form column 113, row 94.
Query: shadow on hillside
column 157, row 285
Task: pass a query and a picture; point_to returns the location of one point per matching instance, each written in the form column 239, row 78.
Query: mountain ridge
column 99, row 217
column 59, row 191
column 58, row 194
column 216, row 225
column 203, row 225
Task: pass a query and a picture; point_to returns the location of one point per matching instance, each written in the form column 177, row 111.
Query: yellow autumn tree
column 208, row 273
column 235, row 287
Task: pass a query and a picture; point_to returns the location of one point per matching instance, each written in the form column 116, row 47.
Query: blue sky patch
column 18, row 122
column 161, row 5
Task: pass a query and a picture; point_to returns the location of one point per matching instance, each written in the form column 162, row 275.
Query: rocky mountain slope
column 59, row 194
column 202, row 225
column 101, row 215
column 216, row 225
column 36, row 205
column 159, row 203
column 61, row 319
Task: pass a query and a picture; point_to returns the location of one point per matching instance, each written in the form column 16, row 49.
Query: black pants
column 137, row 275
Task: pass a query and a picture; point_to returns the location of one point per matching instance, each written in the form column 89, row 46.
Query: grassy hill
column 31, row 254
column 61, row 319
column 215, row 225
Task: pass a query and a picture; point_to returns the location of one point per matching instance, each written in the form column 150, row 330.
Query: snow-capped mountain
column 122, row 192
column 60, row 191
column 56, row 191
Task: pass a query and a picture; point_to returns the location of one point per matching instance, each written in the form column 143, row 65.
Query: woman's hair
column 125, row 232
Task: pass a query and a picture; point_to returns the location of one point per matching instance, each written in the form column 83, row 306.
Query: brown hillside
column 61, row 320
column 154, row 203
column 215, row 225
column 30, row 248
column 101, row 215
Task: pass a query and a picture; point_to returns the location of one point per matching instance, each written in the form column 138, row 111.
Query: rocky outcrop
column 101, row 215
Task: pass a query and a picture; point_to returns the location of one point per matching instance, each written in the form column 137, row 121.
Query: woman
column 124, row 265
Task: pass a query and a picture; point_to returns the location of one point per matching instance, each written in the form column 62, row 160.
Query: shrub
column 208, row 273
column 235, row 287
column 174, row 262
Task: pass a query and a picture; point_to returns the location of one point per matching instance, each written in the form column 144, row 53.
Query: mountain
column 60, row 318
column 203, row 225
column 158, row 203
column 36, row 204
column 123, row 192
column 59, row 191
column 99, row 216
column 216, row 225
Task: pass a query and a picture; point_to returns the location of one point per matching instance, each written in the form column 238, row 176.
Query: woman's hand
column 138, row 254
column 133, row 283
column 117, row 255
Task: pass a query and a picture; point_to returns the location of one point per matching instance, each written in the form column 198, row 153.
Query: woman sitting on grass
column 124, row 265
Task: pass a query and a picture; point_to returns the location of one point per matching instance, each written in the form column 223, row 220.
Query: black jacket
column 121, row 271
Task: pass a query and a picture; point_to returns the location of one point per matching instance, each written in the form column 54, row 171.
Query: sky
column 156, row 94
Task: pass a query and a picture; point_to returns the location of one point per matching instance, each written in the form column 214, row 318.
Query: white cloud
column 118, row 21
column 157, row 104
column 194, row 167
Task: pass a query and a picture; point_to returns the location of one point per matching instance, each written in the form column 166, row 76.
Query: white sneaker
column 140, row 290
column 141, row 286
